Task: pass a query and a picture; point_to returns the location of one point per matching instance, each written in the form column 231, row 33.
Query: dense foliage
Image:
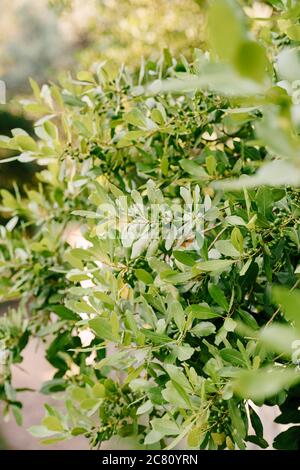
column 170, row 327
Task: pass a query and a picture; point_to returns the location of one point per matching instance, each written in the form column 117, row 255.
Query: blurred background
column 45, row 39
column 42, row 37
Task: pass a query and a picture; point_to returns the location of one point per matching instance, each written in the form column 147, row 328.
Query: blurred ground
column 33, row 372
column 40, row 42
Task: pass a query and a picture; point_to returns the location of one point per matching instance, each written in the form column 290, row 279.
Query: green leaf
column 226, row 248
column 248, row 319
column 213, row 265
column 185, row 258
column 156, row 337
column 89, row 404
column 220, row 78
column 288, row 440
column 85, row 76
column 144, row 276
column 251, row 60
column 53, row 424
column 80, row 306
column 106, row 299
column 53, row 440
column 225, row 36
column 194, row 169
column 17, row 414
column 232, row 356
column 293, row 32
column 202, row 312
column 136, row 118
column 25, row 143
column 165, row 426
column 98, row 390
column 40, row 431
column 279, row 338
column 218, row 296
column 152, row 437
column 53, row 386
column 274, row 173
column 79, row 394
column 175, row 397
column 237, row 239
column 35, row 88
column 229, row 324
column 211, row 164
column 174, row 277
column 177, row 375
column 131, row 136
column 256, row 422
column 177, row 313
column 204, row 328
column 145, row 408
column 184, row 352
column 264, row 383
column 289, row 302
column 102, row 328
column 259, row 441
column 235, row 220
column 238, row 424
column 156, row 302
column 78, row 431
column 195, row 436
column 64, row 312
column 280, row 141
column 264, row 200
column 288, row 64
